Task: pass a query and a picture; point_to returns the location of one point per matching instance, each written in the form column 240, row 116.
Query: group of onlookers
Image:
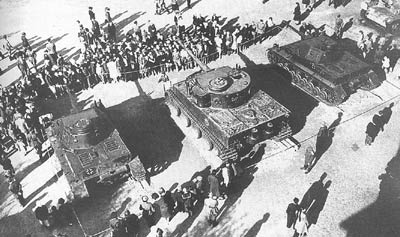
column 56, row 216
column 188, row 198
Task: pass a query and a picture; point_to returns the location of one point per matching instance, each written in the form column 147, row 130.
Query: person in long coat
column 214, row 184
column 371, row 133
column 297, row 14
column 292, row 211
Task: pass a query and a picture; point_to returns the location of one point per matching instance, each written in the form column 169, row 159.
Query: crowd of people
column 55, row 216
column 205, row 189
column 378, row 50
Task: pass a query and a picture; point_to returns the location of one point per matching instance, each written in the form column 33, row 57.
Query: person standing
column 309, row 157
column 188, row 4
column 322, row 136
column 338, row 27
column 36, row 143
column 66, row 212
column 168, row 200
column 95, row 28
column 131, row 223
column 52, row 52
column 91, row 14
column 297, row 14
column 148, row 211
column 214, row 184
column 24, row 41
column 15, row 188
column 42, row 214
column 292, row 211
column 301, row 226
column 213, row 211
column 107, row 14
column 187, row 201
column 227, row 176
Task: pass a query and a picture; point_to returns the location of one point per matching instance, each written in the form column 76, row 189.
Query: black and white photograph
column 199, row 118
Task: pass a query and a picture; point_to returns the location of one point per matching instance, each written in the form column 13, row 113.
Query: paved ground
column 257, row 207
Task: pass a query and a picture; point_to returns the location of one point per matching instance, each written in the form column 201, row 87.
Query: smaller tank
column 385, row 14
column 88, row 146
column 324, row 69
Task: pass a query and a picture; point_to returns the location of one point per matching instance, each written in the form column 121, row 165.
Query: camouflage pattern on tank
column 223, row 107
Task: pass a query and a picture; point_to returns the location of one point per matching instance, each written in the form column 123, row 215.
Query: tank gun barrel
column 202, row 65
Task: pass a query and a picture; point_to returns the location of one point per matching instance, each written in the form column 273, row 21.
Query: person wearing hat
column 91, row 13
column 148, row 211
column 168, row 200
column 42, row 214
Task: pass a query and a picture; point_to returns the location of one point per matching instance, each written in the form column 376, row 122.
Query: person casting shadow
column 386, row 113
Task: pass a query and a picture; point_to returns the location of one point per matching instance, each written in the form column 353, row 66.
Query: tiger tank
column 323, row 68
column 89, row 147
column 222, row 111
column 385, row 14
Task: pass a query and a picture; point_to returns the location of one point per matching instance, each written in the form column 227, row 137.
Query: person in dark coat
column 322, row 136
column 5, row 162
column 187, row 201
column 131, row 223
column 188, row 4
column 371, row 133
column 214, row 184
column 42, row 214
column 179, row 203
column 313, row 192
column 292, row 210
column 168, row 200
column 54, row 216
column 297, row 14
column 15, row 188
column 91, row 13
column 386, row 114
column 66, row 212
column 378, row 120
column 25, row 42
column 95, row 28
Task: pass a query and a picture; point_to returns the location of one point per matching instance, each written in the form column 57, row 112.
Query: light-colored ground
column 258, row 207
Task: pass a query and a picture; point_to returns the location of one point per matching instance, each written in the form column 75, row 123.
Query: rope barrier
column 334, row 127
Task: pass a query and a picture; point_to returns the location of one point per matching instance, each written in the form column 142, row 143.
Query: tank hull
column 88, row 146
column 323, row 89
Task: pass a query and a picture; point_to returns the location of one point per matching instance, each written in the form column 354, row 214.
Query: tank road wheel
column 174, row 110
column 324, row 95
column 295, row 79
column 309, row 86
column 197, row 133
column 318, row 92
column 186, row 121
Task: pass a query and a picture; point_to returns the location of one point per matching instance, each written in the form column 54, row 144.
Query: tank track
column 199, row 134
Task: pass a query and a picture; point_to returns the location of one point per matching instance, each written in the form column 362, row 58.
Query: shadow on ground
column 148, row 130
column 381, row 218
